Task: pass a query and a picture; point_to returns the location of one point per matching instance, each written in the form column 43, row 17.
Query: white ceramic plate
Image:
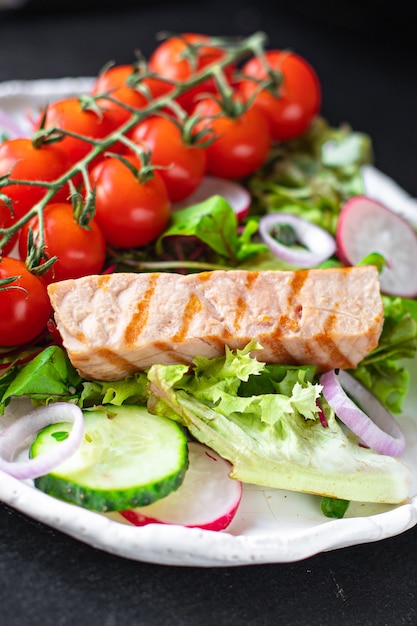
column 271, row 526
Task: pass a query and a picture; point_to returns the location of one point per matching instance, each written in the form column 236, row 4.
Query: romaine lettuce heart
column 274, row 439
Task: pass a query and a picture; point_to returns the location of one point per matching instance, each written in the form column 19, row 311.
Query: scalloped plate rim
column 176, row 545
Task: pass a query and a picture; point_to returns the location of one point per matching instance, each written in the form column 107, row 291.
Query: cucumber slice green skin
column 106, row 501
column 128, row 458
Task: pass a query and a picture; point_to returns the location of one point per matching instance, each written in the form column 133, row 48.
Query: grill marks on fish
column 327, row 345
column 240, row 311
column 116, row 324
column 192, row 308
column 140, row 317
column 297, row 281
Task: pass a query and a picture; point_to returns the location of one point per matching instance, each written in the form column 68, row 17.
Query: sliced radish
column 365, row 226
column 381, row 187
column 208, row 498
column 319, row 244
column 236, row 195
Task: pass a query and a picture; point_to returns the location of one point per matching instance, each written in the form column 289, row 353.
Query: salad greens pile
column 270, row 421
column 312, row 176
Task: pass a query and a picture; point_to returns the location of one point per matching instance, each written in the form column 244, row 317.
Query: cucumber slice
column 128, row 458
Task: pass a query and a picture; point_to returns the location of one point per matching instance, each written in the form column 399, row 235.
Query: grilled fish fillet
column 117, row 324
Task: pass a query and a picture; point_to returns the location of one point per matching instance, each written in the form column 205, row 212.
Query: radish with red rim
column 208, row 498
column 365, row 226
column 236, row 195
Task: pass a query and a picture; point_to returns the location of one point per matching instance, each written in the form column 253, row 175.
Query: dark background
column 364, row 53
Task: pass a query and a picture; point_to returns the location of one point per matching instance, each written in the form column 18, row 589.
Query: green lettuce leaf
column 383, row 370
column 214, row 223
column 274, row 439
column 48, row 377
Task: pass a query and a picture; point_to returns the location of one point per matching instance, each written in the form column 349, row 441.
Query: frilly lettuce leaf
column 273, row 439
column 129, row 390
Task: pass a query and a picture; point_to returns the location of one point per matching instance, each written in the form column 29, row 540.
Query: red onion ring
column 319, row 243
column 381, row 433
column 29, row 425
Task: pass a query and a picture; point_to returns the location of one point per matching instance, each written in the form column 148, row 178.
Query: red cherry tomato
column 68, row 114
column 114, row 82
column 174, row 60
column 183, row 166
column 80, row 250
column 25, row 162
column 242, row 143
column 300, row 95
column 24, row 304
column 130, row 213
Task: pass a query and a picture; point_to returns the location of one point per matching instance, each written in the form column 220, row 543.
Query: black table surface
column 364, row 55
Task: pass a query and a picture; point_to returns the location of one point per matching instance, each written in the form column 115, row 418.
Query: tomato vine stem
column 235, row 51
